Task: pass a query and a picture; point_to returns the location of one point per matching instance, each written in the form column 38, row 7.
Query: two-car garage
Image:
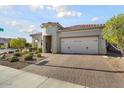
column 80, row 45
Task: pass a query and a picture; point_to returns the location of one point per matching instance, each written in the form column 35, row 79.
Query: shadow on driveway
column 44, row 63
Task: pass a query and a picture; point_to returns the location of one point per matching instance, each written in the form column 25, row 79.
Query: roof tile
column 85, row 26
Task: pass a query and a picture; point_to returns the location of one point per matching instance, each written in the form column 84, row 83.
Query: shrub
column 17, row 54
column 28, row 57
column 17, row 50
column 10, row 52
column 39, row 50
column 25, row 52
column 39, row 55
column 32, row 49
column 14, row 59
column 2, row 46
column 30, row 53
column 2, row 57
column 36, row 52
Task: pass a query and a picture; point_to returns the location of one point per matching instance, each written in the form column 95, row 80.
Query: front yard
column 20, row 59
column 16, row 65
column 86, row 70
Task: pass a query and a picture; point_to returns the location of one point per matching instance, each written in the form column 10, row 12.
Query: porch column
column 54, row 44
column 39, row 43
column 43, row 44
column 102, row 45
column 33, row 42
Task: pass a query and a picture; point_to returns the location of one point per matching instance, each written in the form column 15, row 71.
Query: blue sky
column 21, row 21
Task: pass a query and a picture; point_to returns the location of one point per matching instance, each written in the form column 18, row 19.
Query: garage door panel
column 84, row 45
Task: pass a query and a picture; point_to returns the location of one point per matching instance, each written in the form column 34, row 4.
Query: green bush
column 30, row 53
column 32, row 49
column 39, row 55
column 17, row 54
column 2, row 46
column 17, row 50
column 3, row 57
column 36, row 52
column 25, row 52
column 39, row 50
column 14, row 59
column 10, row 52
column 28, row 57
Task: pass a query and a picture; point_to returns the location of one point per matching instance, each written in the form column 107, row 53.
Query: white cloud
column 55, row 7
column 29, row 29
column 8, row 12
column 61, row 10
column 95, row 19
column 5, row 9
column 68, row 14
column 49, row 8
column 36, row 7
column 21, row 26
column 14, row 23
column 64, row 11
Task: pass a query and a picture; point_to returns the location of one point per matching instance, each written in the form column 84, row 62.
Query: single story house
column 36, row 40
column 81, row 39
column 5, row 42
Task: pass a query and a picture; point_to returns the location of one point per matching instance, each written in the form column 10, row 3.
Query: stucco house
column 36, row 40
column 81, row 39
column 5, row 42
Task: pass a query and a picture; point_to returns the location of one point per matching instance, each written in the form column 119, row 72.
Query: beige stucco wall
column 84, row 33
column 37, row 37
column 92, row 32
column 102, row 45
column 50, row 31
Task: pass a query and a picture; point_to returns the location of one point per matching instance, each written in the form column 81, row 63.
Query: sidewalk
column 13, row 78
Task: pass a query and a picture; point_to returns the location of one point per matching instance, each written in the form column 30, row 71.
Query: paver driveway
column 86, row 70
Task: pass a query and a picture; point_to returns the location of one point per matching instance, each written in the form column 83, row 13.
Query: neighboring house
column 81, row 39
column 5, row 42
column 36, row 40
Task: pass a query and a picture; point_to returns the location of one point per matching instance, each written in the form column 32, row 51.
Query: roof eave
column 79, row 29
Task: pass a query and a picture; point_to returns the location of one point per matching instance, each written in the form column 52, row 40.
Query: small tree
column 17, row 43
column 114, row 32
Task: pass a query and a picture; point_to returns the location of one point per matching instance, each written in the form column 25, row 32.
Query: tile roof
column 36, row 33
column 51, row 23
column 5, row 38
column 2, row 40
column 85, row 26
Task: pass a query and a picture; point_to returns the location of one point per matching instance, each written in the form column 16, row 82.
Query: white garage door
column 83, row 45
